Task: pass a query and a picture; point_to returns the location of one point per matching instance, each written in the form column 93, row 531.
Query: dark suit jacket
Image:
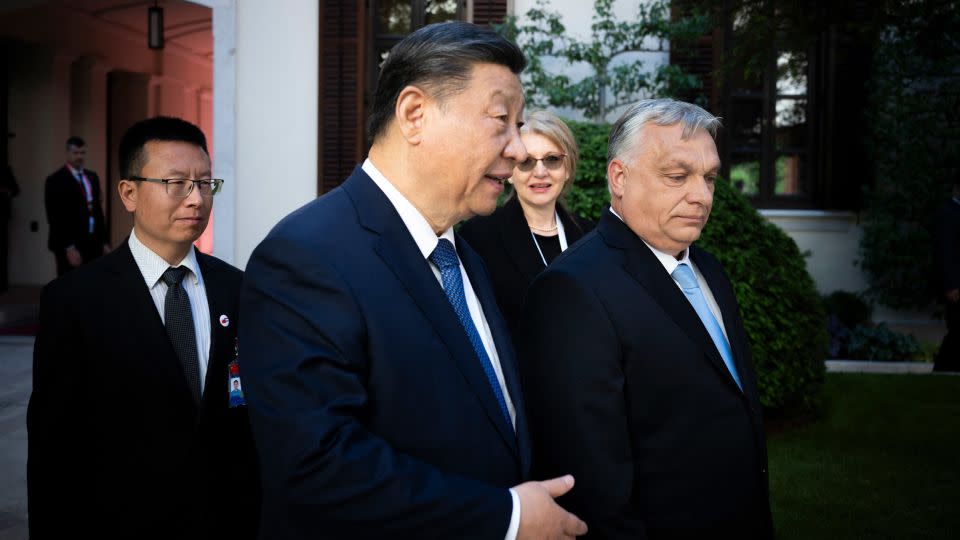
column 503, row 241
column 67, row 211
column 116, row 445
column 946, row 253
column 627, row 391
column 370, row 410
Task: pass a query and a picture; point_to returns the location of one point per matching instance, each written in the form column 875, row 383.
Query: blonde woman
column 522, row 237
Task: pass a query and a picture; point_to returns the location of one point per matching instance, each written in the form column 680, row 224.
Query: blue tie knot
column 444, row 255
column 683, row 274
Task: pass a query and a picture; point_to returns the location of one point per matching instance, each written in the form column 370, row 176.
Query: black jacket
column 627, row 391
column 117, row 447
column 68, row 214
column 503, row 241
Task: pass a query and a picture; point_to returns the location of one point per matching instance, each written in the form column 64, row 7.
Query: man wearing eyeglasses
column 131, row 431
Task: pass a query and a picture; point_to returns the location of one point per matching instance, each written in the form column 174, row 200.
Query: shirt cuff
column 514, row 527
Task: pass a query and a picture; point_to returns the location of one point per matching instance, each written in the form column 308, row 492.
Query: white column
column 265, row 71
column 225, row 126
column 277, row 69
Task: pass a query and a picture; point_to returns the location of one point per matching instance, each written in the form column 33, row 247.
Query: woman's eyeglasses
column 551, row 162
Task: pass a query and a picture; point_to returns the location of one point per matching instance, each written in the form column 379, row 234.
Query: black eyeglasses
column 551, row 161
column 181, row 188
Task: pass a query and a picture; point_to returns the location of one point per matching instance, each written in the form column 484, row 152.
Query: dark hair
column 438, row 58
column 158, row 128
column 75, row 141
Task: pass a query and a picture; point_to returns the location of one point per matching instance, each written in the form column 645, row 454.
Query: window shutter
column 489, row 11
column 341, row 67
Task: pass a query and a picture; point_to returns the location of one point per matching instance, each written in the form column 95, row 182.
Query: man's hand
column 541, row 517
column 73, row 256
column 106, row 248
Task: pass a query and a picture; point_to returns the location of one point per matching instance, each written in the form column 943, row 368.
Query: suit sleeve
column 574, row 386
column 303, row 341
column 56, row 458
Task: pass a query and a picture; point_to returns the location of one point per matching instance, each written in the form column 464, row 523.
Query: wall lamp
column 155, row 27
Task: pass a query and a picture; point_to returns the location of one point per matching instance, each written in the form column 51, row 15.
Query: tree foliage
column 914, row 112
column 613, row 81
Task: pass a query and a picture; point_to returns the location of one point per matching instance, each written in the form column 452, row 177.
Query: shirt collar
column 415, row 222
column 669, row 262
column 152, row 266
column 74, row 171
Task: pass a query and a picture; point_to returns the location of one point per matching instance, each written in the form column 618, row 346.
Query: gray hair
column 660, row 112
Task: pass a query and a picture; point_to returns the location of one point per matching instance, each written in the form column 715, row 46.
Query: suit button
column 763, row 470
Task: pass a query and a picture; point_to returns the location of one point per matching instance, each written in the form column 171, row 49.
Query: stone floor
column 19, row 310
column 16, row 355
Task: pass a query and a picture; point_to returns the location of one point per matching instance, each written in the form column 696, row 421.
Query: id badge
column 233, row 379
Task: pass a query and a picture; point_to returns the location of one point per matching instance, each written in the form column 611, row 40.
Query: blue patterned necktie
column 445, row 257
column 688, row 282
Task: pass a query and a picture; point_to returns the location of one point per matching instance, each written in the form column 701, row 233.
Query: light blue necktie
column 445, row 257
column 688, row 282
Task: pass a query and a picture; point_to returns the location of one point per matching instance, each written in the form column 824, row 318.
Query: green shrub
column 780, row 306
column 845, row 311
column 781, row 310
column 851, row 310
column 880, row 343
column 589, row 194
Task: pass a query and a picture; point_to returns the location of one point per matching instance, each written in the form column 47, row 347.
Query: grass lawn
column 883, row 462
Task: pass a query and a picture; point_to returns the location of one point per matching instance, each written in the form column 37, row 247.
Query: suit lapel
column 517, row 241
column 571, row 228
column 400, row 253
column 72, row 185
column 727, row 302
column 219, row 301
column 644, row 266
column 501, row 338
column 148, row 323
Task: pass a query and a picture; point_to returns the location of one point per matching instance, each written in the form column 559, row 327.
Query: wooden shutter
column 489, row 11
column 341, row 98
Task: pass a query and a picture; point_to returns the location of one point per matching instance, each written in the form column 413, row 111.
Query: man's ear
column 128, row 191
column 411, row 106
column 616, row 177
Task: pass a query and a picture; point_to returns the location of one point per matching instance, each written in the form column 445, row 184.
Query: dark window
column 767, row 140
column 356, row 36
column 391, row 20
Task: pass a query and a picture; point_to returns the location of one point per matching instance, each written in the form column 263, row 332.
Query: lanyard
column 560, row 233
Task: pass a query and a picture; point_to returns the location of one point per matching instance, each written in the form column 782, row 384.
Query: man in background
column 946, row 258
column 72, row 197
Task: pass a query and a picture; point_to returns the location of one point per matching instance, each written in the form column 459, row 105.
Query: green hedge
column 781, row 309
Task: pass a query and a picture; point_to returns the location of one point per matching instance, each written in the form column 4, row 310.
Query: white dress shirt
column 426, row 239
column 152, row 267
column 670, row 263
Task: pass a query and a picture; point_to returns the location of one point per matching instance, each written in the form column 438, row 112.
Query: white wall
column 833, row 240
column 39, row 118
column 277, row 84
